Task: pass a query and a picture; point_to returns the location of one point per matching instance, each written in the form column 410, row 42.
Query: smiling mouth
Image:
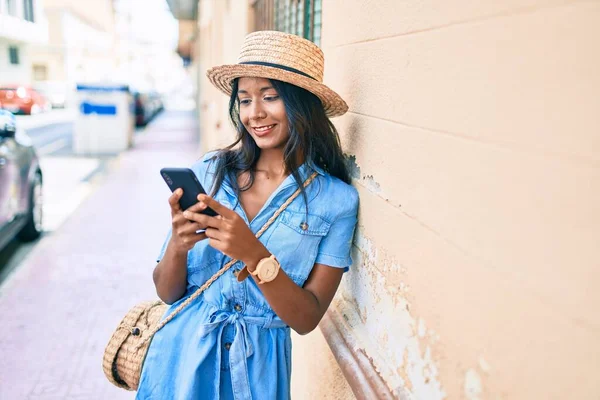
column 263, row 130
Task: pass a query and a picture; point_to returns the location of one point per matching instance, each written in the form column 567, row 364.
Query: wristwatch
column 266, row 269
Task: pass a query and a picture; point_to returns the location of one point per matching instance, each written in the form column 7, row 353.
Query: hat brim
column 222, row 76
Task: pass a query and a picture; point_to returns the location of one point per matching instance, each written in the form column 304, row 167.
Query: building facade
column 81, row 42
column 473, row 139
column 22, row 25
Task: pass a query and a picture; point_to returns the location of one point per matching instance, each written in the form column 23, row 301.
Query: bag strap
column 227, row 266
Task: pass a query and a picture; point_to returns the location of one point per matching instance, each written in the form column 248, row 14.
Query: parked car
column 22, row 100
column 20, row 184
column 147, row 105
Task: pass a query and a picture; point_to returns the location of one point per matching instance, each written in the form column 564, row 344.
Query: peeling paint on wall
column 367, row 181
column 421, row 328
column 485, row 367
column 372, row 184
column 398, row 343
column 353, row 167
column 472, row 385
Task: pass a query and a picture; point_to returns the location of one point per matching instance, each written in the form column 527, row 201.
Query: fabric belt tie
column 241, row 347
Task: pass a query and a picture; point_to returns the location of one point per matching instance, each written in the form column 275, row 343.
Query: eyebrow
column 261, row 89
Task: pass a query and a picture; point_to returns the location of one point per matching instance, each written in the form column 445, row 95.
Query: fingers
column 174, row 201
column 186, row 229
column 214, row 241
column 197, row 208
column 191, row 228
column 200, row 236
column 178, row 220
column 187, row 233
column 215, row 205
column 204, row 220
column 185, row 225
column 215, row 234
column 189, row 240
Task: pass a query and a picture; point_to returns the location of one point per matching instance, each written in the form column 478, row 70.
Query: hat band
column 284, row 67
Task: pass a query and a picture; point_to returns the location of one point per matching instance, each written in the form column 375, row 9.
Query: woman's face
column 263, row 113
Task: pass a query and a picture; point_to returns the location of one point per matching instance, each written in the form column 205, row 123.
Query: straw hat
column 285, row 57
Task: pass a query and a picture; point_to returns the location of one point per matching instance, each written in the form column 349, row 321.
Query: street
column 52, row 140
column 68, row 178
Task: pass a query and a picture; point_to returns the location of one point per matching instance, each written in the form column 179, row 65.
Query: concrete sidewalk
column 59, row 309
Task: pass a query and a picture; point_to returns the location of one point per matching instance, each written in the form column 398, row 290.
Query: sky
column 152, row 20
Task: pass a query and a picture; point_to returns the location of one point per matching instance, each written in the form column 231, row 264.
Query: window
column 316, row 21
column 11, row 7
column 28, row 10
column 264, row 11
column 40, row 72
column 300, row 17
column 13, row 55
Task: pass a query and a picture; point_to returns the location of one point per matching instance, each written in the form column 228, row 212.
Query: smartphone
column 185, row 179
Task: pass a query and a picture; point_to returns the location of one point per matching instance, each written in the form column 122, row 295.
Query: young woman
column 234, row 341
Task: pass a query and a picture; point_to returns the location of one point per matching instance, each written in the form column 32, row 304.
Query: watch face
column 268, row 270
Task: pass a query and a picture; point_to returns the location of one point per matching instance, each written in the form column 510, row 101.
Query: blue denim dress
column 229, row 344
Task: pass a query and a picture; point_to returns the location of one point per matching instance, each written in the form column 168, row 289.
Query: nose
column 257, row 112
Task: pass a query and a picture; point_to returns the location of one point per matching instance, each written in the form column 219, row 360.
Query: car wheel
column 33, row 227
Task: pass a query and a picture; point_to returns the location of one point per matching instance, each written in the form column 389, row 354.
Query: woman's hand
column 184, row 235
column 227, row 232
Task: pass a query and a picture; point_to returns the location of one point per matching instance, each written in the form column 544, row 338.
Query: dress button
column 227, row 346
column 237, row 308
column 304, row 226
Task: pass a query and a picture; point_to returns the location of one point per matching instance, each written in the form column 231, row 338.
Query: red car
column 22, row 100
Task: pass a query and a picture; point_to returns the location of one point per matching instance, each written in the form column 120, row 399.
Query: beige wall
column 81, row 41
column 97, row 13
column 53, row 54
column 475, row 135
column 475, row 131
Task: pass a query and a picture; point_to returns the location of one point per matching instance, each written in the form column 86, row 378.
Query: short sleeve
column 164, row 247
column 336, row 246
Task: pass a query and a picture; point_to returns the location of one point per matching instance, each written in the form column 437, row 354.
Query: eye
column 271, row 98
column 245, row 101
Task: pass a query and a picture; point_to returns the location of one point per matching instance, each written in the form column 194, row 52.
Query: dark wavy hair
column 313, row 138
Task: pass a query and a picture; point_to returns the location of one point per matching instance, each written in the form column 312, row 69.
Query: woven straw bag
column 122, row 361
column 126, row 350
